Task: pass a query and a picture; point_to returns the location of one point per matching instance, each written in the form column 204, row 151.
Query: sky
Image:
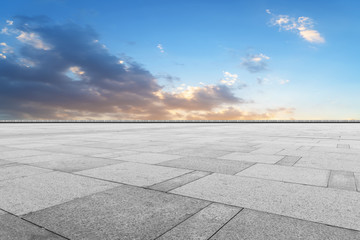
column 172, row 59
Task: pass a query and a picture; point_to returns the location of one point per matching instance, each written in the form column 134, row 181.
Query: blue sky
column 195, row 59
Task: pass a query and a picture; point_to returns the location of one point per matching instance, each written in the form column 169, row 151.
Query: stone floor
column 180, row 181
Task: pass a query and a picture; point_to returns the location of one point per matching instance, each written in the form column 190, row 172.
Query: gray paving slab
column 202, row 225
column 23, row 195
column 149, row 158
column 121, row 213
column 15, row 228
column 13, row 155
column 309, row 176
column 137, row 174
column 261, row 158
column 178, row 181
column 18, row 171
column 75, row 163
column 343, row 145
column 255, row 225
column 114, row 154
column 78, row 150
column 318, row 204
column 342, row 180
column 208, row 164
column 198, row 152
column 288, row 160
column 324, row 162
column 357, row 181
column 267, row 150
column 305, row 148
column 4, row 162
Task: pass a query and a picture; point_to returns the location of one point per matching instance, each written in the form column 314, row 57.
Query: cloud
column 262, row 80
column 60, row 71
column 167, row 77
column 282, row 82
column 301, row 25
column 33, row 39
column 229, row 79
column 206, row 97
column 160, row 47
column 5, row 48
column 232, row 113
column 9, row 22
column 255, row 63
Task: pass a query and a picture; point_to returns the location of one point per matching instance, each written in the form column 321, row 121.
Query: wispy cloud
column 33, row 39
column 255, row 63
column 284, row 81
column 262, row 80
column 160, row 47
column 304, row 26
column 229, row 78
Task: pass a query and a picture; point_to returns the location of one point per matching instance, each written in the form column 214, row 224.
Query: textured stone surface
column 134, row 173
column 24, row 195
column 261, row 158
column 16, row 171
column 300, row 175
column 149, row 158
column 208, row 164
column 254, row 225
column 198, row 152
column 178, row 181
column 357, row 181
column 342, row 180
column 229, row 148
column 340, row 163
column 323, row 205
column 120, row 213
column 76, row 163
column 203, row 224
column 14, row 228
column 15, row 155
column 288, row 160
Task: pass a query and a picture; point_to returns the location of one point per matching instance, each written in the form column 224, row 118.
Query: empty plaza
column 275, row 181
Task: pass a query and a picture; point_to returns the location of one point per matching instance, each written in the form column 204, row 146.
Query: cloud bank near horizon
column 62, row 71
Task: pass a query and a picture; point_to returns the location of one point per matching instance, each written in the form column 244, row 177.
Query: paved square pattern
column 180, row 181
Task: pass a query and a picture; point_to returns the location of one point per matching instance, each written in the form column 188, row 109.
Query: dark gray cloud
column 104, row 86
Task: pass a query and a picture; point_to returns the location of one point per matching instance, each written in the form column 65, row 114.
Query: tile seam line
column 240, row 210
column 42, row 227
column 209, row 173
column 191, row 171
column 231, row 205
column 170, row 179
column 210, row 201
column 168, row 230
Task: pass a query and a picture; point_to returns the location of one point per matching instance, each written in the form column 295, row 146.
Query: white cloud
column 159, row 46
column 5, row 30
column 229, row 79
column 268, row 11
column 302, row 25
column 2, row 56
column 76, row 70
column 6, row 48
column 33, row 39
column 9, row 22
column 26, row 62
column 282, row 82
